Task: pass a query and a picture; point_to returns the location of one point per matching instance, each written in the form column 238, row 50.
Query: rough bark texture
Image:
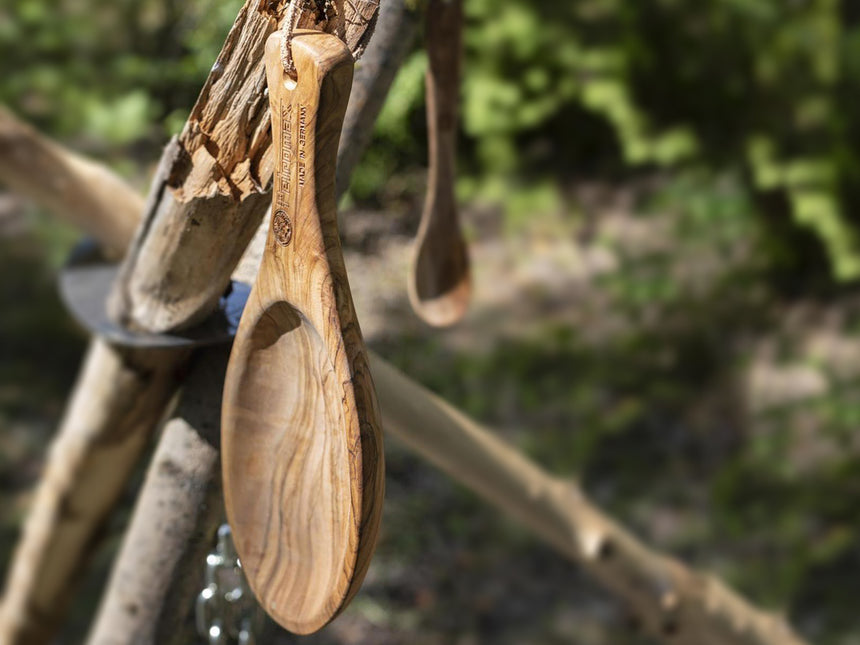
column 159, row 568
column 214, row 180
column 68, row 185
column 116, row 402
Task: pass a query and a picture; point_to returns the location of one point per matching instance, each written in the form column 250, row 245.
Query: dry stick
column 159, row 570
column 121, row 396
column 674, row 603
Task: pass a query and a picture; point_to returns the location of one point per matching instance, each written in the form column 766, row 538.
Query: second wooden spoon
column 440, row 286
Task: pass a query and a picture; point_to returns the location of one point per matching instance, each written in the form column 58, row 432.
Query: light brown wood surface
column 440, row 286
column 303, row 466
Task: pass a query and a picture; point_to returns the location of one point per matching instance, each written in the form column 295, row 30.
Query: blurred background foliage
column 747, row 112
column 765, row 88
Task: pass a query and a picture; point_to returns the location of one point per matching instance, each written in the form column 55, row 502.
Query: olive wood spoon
column 439, row 282
column 302, row 449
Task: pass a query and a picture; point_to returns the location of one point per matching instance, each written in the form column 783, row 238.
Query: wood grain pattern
column 303, row 463
column 440, row 285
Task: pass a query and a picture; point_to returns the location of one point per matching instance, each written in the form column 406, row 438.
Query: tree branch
column 68, row 185
column 674, row 603
column 158, row 570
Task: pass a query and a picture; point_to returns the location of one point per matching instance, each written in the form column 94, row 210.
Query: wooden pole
column 121, row 396
column 674, row 603
column 159, row 568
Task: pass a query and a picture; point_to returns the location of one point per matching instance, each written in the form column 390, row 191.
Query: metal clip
column 226, row 611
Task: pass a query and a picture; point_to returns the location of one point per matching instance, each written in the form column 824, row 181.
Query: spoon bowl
column 302, row 472
column 440, row 283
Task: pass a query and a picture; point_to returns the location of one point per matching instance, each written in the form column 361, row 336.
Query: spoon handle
column 304, row 253
column 306, row 120
column 444, row 50
column 439, row 280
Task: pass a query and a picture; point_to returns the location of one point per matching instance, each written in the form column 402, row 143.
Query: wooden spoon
column 439, row 283
column 302, row 449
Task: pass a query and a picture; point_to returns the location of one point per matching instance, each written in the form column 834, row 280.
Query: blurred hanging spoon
column 440, row 284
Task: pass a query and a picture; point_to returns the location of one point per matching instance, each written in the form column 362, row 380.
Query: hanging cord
column 293, row 15
column 291, row 21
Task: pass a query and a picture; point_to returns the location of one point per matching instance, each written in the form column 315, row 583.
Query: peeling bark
column 214, row 183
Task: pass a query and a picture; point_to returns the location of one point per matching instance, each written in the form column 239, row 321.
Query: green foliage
column 759, row 89
column 110, row 72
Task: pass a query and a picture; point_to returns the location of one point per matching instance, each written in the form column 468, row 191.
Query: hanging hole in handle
column 291, row 74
